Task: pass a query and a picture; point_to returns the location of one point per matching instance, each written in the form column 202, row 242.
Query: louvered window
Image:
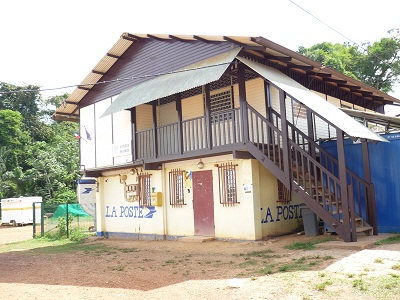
column 221, row 105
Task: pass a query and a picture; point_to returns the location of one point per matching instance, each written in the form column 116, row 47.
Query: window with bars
column 284, row 195
column 144, row 189
column 227, row 184
column 176, row 187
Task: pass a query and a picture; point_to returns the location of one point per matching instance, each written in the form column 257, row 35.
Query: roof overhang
column 164, row 85
column 323, row 108
column 373, row 117
column 263, row 49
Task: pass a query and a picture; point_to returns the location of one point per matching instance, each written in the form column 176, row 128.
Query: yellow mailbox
column 156, row 199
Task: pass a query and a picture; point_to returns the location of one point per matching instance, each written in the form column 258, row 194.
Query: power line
column 341, row 34
column 327, row 25
column 113, row 80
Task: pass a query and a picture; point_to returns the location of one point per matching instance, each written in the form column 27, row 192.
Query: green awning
column 325, row 109
column 198, row 74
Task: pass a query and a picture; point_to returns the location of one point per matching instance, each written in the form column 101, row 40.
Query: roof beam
column 330, row 79
column 177, row 38
column 113, row 56
column 98, row 72
column 82, row 87
column 245, row 46
column 322, row 75
column 132, row 37
column 350, row 87
column 204, row 40
column 278, row 58
column 301, row 67
column 157, row 38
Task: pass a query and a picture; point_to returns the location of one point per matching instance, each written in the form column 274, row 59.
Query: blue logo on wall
column 88, row 190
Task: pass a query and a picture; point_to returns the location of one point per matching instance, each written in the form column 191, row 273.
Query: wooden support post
column 243, row 102
column 310, row 127
column 207, row 108
column 133, row 133
column 180, row 131
column 370, row 194
column 349, row 236
column 285, row 140
column 268, row 112
column 155, row 138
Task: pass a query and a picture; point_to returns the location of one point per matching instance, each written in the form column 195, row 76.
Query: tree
column 38, row 156
column 13, row 139
column 376, row 64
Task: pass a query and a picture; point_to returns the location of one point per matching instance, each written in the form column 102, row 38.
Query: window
column 284, row 195
column 176, row 182
column 144, row 189
column 227, row 184
column 221, row 106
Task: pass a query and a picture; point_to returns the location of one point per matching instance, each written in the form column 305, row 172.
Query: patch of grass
column 322, row 286
column 303, row 263
column 248, row 263
column 328, row 257
column 389, row 240
column 396, row 267
column 118, row 268
column 359, row 284
column 127, row 250
column 306, row 245
column 170, row 261
column 378, row 260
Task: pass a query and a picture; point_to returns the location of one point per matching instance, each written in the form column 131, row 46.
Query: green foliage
column 62, row 226
column 38, row 157
column 309, row 245
column 390, row 240
column 376, row 64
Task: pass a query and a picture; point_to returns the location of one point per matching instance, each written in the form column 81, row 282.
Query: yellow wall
column 256, row 216
column 276, row 218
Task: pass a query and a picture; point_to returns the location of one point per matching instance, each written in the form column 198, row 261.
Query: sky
column 57, row 43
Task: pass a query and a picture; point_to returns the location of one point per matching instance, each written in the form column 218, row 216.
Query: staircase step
column 366, row 229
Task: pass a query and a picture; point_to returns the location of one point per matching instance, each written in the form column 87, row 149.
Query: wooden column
column 243, row 102
column 348, row 237
column 268, row 112
column 370, row 194
column 310, row 128
column 285, row 140
column 155, row 138
column 133, row 133
column 180, row 132
column 207, row 108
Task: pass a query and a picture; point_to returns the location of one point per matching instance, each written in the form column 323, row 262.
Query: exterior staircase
column 310, row 172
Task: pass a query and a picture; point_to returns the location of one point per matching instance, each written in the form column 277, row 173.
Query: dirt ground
column 131, row 269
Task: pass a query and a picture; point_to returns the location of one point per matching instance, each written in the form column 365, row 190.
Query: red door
column 203, row 203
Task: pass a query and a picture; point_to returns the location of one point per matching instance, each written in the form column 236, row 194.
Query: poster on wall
column 121, row 149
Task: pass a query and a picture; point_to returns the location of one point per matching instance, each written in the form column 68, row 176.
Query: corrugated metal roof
column 381, row 119
column 259, row 46
column 313, row 101
column 198, row 74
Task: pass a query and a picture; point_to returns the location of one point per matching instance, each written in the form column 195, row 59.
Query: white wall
column 87, row 147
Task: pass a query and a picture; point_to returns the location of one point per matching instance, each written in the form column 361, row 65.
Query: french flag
column 88, row 137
